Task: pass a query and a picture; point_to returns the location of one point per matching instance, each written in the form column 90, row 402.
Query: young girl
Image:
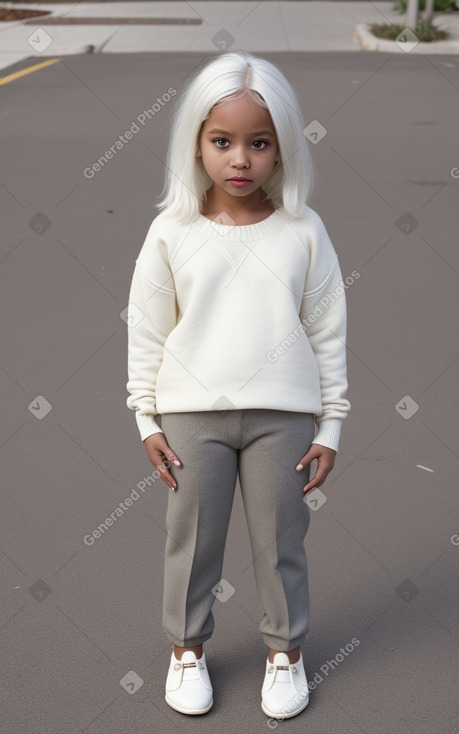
column 237, row 329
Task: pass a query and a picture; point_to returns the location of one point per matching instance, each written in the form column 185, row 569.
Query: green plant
column 425, row 31
column 440, row 6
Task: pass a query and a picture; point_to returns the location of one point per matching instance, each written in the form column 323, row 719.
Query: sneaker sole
column 195, row 712
column 283, row 716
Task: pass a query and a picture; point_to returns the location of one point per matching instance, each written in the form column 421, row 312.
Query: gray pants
column 263, row 446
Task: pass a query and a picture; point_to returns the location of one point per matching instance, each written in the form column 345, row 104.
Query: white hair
column 226, row 77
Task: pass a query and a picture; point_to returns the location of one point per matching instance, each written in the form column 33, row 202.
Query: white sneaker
column 285, row 689
column 188, row 686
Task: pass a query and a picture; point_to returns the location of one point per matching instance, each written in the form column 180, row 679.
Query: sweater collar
column 257, row 231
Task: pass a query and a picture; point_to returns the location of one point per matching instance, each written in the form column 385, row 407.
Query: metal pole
column 429, row 9
column 411, row 15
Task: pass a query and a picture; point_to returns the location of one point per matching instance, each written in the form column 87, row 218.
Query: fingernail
column 176, row 462
column 300, row 466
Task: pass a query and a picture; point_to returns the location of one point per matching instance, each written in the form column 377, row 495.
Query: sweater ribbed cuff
column 147, row 425
column 329, row 433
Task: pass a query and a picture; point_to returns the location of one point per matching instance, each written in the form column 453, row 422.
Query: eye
column 220, row 140
column 259, row 143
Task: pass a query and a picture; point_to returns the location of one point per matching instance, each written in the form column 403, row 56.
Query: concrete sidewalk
column 207, row 26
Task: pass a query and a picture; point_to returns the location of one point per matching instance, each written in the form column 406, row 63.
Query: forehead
column 240, row 114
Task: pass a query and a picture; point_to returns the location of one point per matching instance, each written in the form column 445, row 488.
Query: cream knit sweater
column 225, row 317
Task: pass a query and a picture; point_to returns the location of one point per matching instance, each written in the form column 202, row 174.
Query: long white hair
column 226, row 77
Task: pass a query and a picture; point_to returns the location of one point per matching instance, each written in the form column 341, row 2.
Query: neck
column 218, row 201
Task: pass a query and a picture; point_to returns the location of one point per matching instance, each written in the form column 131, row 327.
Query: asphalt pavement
column 83, row 649
column 211, row 26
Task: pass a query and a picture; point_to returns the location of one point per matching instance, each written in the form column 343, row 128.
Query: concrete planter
column 370, row 42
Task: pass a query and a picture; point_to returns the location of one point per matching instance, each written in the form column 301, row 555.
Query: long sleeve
column 323, row 315
column 152, row 314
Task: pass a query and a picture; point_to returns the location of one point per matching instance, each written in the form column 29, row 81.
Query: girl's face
column 238, row 146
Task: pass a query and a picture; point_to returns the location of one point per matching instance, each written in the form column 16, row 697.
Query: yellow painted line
column 29, row 70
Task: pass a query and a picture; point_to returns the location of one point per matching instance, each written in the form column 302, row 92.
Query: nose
column 240, row 158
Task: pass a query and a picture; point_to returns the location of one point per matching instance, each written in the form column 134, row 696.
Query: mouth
column 240, row 179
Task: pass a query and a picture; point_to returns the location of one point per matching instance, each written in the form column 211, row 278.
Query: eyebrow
column 250, row 134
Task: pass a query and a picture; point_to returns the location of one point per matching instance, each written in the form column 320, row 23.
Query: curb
column 369, row 42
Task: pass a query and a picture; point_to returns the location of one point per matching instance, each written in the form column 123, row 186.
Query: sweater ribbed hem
column 329, row 433
column 146, row 425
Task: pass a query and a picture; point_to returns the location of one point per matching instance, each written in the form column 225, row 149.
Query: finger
column 173, row 458
column 307, row 459
column 317, row 480
column 156, row 457
column 170, row 455
column 163, row 449
column 166, row 476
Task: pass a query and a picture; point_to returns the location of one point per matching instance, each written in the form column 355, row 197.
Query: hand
column 157, row 447
column 325, row 462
